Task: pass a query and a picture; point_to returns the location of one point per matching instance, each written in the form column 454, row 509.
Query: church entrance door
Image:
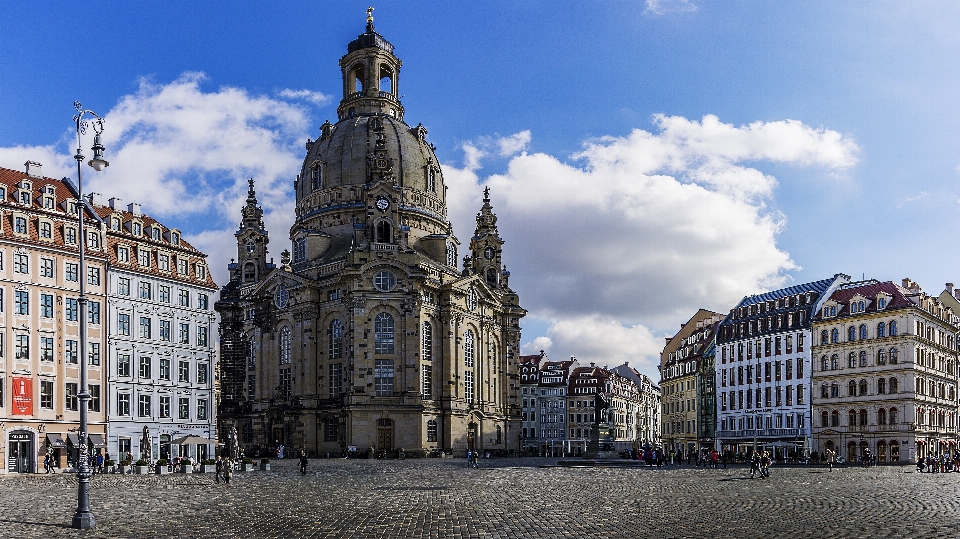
column 384, row 439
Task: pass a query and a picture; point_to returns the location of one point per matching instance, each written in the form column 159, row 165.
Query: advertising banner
column 22, row 396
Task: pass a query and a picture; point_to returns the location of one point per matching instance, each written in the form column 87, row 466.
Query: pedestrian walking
column 303, row 463
column 754, row 464
column 227, row 470
column 219, row 469
column 765, row 463
column 830, row 456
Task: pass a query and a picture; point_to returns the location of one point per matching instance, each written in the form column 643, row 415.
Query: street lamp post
column 83, row 519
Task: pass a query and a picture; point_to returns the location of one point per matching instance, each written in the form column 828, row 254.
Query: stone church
column 370, row 336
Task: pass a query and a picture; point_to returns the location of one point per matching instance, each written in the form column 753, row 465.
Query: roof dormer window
column 136, row 229
column 155, row 233
column 3, row 194
column 175, row 238
column 115, row 223
column 25, row 197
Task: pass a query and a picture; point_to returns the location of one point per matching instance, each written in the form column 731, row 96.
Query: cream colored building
column 885, row 373
column 40, row 321
column 370, row 335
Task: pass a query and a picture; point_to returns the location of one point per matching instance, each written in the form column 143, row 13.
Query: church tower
column 371, row 338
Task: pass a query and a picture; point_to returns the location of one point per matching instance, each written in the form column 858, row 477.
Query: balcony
column 761, row 433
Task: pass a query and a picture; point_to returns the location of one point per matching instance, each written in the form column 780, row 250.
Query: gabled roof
column 843, row 296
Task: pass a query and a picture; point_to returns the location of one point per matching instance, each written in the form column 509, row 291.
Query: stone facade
column 370, row 336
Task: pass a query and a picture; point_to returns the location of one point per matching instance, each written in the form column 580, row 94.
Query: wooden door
column 384, row 439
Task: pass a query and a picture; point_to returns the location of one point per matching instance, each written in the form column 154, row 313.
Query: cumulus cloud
column 660, row 7
column 319, row 99
column 602, row 340
column 475, row 150
column 646, row 228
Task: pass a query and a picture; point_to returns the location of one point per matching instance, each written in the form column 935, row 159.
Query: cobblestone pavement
column 503, row 499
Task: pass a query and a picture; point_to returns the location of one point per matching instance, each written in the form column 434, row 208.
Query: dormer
column 135, row 227
column 830, row 309
column 155, row 232
column 858, row 304
column 173, row 236
column 115, row 222
column 3, row 193
column 24, row 192
column 49, row 197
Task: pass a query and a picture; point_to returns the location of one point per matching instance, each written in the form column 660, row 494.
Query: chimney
column 950, row 288
column 96, row 199
column 592, row 364
column 906, row 283
column 134, row 208
column 33, row 169
column 115, row 203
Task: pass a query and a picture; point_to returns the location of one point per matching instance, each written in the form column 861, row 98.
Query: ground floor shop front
column 26, row 446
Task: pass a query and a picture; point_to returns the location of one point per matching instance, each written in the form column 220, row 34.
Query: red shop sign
column 22, row 396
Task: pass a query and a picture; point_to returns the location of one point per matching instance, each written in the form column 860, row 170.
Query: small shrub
column 208, row 462
column 264, row 461
column 163, row 462
column 142, row 462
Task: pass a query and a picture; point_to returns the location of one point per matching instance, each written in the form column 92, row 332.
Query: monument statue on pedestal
column 600, row 446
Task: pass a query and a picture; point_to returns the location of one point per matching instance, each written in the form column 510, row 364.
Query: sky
column 645, row 158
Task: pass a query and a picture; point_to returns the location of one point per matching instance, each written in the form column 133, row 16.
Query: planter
column 185, row 468
column 247, row 468
column 121, row 469
column 265, row 467
column 163, row 470
column 208, row 468
column 142, row 470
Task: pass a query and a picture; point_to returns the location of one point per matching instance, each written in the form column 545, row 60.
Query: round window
column 384, row 281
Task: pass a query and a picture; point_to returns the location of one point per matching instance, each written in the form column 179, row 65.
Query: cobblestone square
column 504, row 498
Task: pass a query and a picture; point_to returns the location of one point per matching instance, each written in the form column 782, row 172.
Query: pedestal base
column 600, row 446
column 83, row 521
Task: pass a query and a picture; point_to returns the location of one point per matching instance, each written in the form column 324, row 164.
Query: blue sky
column 645, row 158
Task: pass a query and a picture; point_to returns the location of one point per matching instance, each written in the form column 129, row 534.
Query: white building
column 162, row 329
column 763, row 368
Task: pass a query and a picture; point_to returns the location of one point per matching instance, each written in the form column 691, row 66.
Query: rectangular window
column 46, row 267
column 164, row 330
column 164, row 406
column 799, row 395
column 251, row 386
column 723, row 401
column 145, row 367
column 184, row 333
column 94, row 403
column 70, row 354
column 201, row 335
column 183, row 407
column 768, row 398
column 93, row 240
column 145, row 327
column 777, row 371
column 123, row 286
column 21, row 302
column 144, row 290
column 789, row 367
column 144, row 406
column 72, row 311
column 286, row 383
column 799, row 368
column 779, row 396
column 766, row 371
column 123, row 324
column 183, row 298
column 468, row 386
column 23, row 347
column 183, row 373
column 164, row 369
column 777, row 348
column 123, row 404
column 123, row 254
column 21, row 263
column 182, row 266
column 72, row 272
column 46, row 395
column 143, row 258
column 427, row 383
column 383, row 377
column 163, row 262
column 94, row 354
column 202, row 409
column 164, row 294
column 336, row 380
column 70, row 397
column 46, row 305
column 203, row 301
column 123, row 364
column 46, row 348
column 789, row 395
column 93, row 312
column 201, row 373
column 93, row 276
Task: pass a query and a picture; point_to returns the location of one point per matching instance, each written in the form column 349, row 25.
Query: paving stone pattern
column 505, row 498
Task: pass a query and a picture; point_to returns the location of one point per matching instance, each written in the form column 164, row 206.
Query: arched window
column 431, row 430
column 823, row 418
column 383, row 334
column 824, row 363
column 468, row 348
column 284, row 345
column 863, row 358
column 881, row 357
column 427, row 341
column 824, row 391
column 851, row 333
column 851, row 388
column 894, row 354
column 249, row 272
column 452, row 254
column 834, row 390
column 316, row 176
column 851, row 360
column 431, row 179
column 852, row 418
column 336, row 339
column 384, row 232
column 863, row 418
column 492, row 276
column 893, row 328
column 893, row 385
column 824, row 339
column 863, row 330
column 863, row 387
column 882, row 416
column 893, row 416
column 835, row 361
column 881, row 385
column 881, row 330
column 835, row 418
column 834, row 335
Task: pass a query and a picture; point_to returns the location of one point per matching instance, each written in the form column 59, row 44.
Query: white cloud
column 660, row 7
column 507, row 146
column 513, row 144
column 602, row 340
column 645, row 228
column 319, row 99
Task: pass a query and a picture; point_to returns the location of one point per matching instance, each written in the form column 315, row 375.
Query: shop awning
column 55, row 440
column 73, row 439
column 96, row 440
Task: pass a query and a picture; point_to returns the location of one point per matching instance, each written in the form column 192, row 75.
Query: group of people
column 939, row 463
column 760, row 462
column 473, row 459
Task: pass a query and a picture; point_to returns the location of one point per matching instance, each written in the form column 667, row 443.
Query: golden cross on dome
column 370, row 15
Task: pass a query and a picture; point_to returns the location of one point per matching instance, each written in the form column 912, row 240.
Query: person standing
column 303, row 462
column 830, row 456
column 227, row 470
column 219, row 468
